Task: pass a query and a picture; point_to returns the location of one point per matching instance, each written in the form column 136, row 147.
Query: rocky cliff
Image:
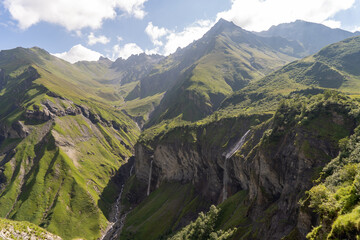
column 278, row 161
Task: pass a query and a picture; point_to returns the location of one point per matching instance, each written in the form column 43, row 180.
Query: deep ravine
column 115, row 227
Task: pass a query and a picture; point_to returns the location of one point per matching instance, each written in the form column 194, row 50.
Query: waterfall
column 237, row 146
column 117, row 206
column 225, row 180
column 228, row 155
column 131, row 170
column 149, row 182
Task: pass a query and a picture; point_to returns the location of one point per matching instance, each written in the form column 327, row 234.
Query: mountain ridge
column 313, row 36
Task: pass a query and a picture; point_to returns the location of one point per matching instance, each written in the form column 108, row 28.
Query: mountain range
column 264, row 125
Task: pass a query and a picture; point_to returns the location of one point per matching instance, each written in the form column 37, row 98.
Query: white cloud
column 156, row 33
column 355, row 29
column 155, row 50
column 125, row 51
column 92, row 39
column 79, row 53
column 119, row 38
column 191, row 33
column 258, row 15
column 168, row 41
column 132, row 7
column 332, row 23
column 78, row 33
column 73, row 15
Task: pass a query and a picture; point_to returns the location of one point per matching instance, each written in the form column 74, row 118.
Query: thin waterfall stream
column 228, row 155
column 131, row 170
column 149, row 182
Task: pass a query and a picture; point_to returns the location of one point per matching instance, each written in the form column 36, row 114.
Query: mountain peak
column 105, row 60
column 224, row 23
column 313, row 36
column 221, row 26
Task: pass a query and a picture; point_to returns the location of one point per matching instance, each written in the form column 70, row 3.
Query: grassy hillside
column 334, row 67
column 233, row 58
column 61, row 144
column 168, row 205
column 23, row 230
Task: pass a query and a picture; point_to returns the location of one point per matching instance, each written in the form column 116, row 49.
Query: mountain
column 335, row 66
column 312, row 36
column 198, row 77
column 121, row 71
column 136, row 67
column 61, row 144
column 237, row 121
column 295, row 143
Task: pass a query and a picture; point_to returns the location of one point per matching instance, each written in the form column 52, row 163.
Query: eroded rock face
column 191, row 156
column 276, row 165
column 279, row 174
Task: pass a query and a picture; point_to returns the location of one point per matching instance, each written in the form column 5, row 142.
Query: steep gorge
column 277, row 163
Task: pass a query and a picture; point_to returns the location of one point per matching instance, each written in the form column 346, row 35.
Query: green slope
column 21, row 230
column 61, row 144
column 336, row 198
column 334, row 67
column 225, row 60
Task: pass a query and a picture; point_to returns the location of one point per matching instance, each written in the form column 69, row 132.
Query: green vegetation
column 166, row 205
column 17, row 230
column 63, row 143
column 211, row 69
column 204, row 228
column 337, row 197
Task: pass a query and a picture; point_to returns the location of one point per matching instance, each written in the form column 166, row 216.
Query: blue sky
column 86, row 29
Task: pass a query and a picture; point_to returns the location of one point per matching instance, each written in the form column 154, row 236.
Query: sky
column 87, row 29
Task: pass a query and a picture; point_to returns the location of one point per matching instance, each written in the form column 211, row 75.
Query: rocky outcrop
column 59, row 107
column 49, row 110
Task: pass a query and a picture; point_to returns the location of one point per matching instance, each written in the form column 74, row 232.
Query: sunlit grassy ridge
column 19, row 230
column 233, row 58
column 56, row 169
column 334, row 67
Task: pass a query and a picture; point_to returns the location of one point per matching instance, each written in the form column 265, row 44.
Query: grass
column 166, row 205
column 17, row 228
column 59, row 171
column 233, row 211
column 208, row 76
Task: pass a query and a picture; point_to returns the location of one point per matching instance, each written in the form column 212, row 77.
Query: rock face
column 190, row 155
column 276, row 165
